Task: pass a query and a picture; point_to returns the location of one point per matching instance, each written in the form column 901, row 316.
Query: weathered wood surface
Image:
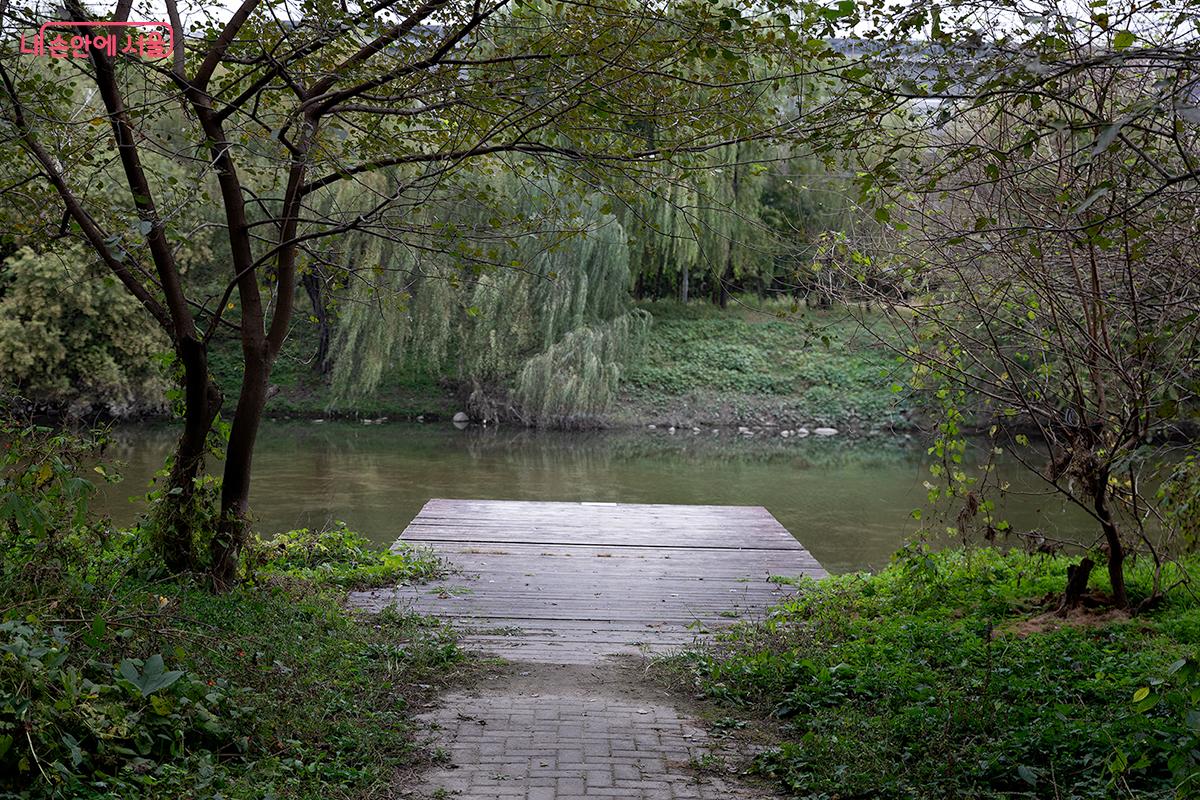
column 573, row 582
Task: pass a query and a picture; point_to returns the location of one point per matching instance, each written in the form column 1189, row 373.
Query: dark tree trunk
column 726, row 280
column 312, row 285
column 233, row 526
column 175, row 526
column 1114, row 549
column 721, row 288
column 1077, row 583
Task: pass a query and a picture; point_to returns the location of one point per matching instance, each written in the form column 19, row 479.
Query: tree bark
column 683, row 285
column 233, row 526
column 722, row 285
column 1114, row 549
column 202, row 401
column 312, row 285
column 1077, row 583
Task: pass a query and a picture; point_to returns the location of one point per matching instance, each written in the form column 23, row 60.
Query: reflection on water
column 848, row 503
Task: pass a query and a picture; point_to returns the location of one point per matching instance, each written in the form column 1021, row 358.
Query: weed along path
column 573, row 596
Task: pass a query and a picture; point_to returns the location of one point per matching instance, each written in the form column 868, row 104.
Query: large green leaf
column 152, row 677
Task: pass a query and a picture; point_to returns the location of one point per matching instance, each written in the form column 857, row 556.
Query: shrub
column 75, row 341
column 78, row 721
column 48, row 543
column 341, row 557
column 117, row 684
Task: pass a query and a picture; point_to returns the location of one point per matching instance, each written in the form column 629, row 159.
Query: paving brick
column 565, row 745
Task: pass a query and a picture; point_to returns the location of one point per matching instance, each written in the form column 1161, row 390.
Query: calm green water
column 848, row 503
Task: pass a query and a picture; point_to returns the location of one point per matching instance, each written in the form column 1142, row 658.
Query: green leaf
column 129, row 671
column 1144, row 700
column 1123, row 40
column 96, row 635
column 1107, row 137
column 152, row 677
column 1091, row 198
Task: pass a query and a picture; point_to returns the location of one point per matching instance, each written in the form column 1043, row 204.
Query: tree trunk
column 683, row 285
column 312, row 285
column 1077, row 583
column 175, row 525
column 723, row 283
column 1114, row 550
column 226, row 546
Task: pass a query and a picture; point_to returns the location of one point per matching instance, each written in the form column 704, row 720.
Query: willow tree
column 272, row 102
column 563, row 307
column 704, row 224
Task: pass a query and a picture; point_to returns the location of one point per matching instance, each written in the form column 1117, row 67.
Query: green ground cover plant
column 824, row 365
column 118, row 682
column 942, row 676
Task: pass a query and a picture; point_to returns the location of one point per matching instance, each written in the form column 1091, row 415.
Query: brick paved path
column 571, row 732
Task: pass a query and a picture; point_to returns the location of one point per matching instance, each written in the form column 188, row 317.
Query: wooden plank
column 536, row 558
column 572, row 582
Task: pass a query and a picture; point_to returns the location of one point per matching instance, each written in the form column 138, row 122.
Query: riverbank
column 119, row 681
column 944, row 676
column 763, row 368
column 749, row 366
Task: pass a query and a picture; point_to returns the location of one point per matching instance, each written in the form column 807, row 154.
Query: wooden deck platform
column 573, row 582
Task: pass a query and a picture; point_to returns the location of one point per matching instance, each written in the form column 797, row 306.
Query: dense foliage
column 936, row 678
column 1037, row 189
column 561, row 306
column 73, row 339
column 115, row 682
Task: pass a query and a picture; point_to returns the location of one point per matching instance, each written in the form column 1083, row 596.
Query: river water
column 849, row 503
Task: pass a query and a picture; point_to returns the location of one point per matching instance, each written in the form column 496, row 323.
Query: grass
column 280, row 692
column 765, row 365
column 751, row 363
column 928, row 680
